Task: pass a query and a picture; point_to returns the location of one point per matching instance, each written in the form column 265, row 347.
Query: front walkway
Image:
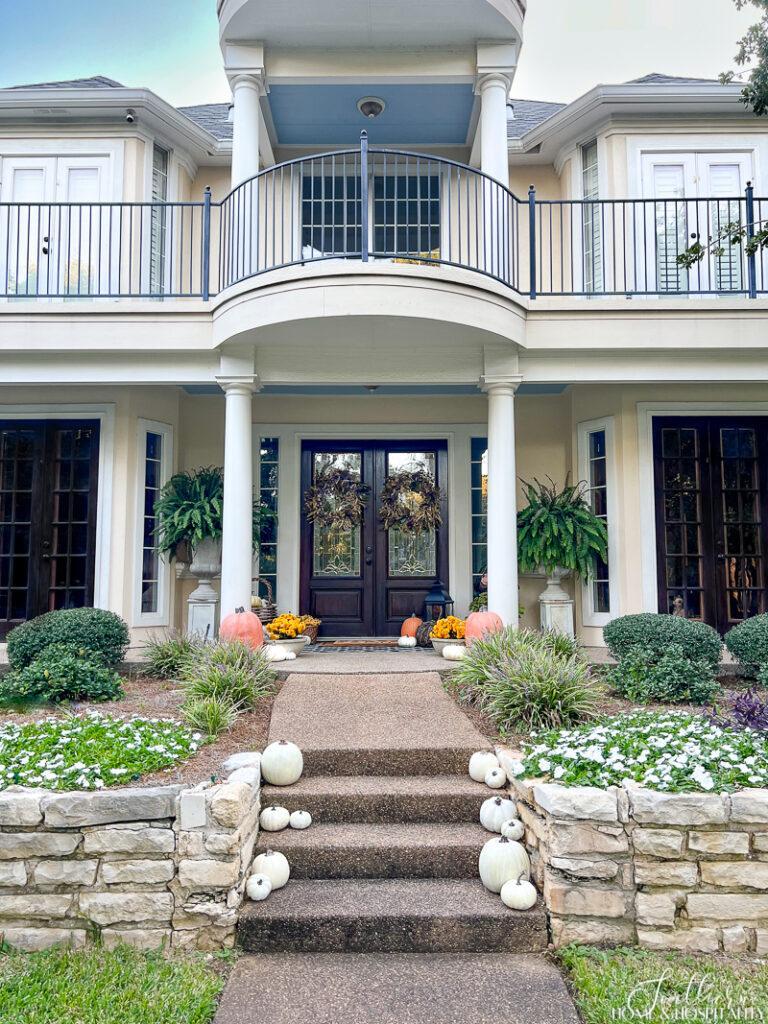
column 384, row 918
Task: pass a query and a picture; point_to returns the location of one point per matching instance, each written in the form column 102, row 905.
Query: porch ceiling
column 416, row 114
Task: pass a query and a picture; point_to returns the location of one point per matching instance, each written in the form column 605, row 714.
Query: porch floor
column 386, row 661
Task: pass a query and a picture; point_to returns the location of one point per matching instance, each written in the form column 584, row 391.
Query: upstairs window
column 592, row 249
column 159, row 225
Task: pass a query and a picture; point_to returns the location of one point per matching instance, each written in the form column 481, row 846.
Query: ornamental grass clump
column 93, row 751
column 226, row 679
column 168, row 656
column 522, row 680
column 672, row 751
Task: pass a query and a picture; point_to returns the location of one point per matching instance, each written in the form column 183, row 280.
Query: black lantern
column 438, row 601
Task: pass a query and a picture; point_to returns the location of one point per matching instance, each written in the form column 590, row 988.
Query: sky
column 171, row 46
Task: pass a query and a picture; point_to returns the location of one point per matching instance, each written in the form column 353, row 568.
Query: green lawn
column 660, row 988
column 97, row 986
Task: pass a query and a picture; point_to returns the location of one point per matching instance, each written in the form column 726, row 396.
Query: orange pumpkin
column 480, row 624
column 243, row 626
column 410, row 626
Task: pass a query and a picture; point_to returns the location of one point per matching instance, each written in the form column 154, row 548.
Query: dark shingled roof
column 214, row 117
column 96, row 82
column 528, row 114
column 654, row 78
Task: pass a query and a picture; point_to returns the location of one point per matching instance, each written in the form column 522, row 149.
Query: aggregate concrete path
column 396, row 988
column 406, row 712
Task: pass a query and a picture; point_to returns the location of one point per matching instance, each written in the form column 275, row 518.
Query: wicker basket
column 311, row 632
column 268, row 610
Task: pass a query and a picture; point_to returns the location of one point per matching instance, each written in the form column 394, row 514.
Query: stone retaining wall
column 162, row 866
column 667, row 871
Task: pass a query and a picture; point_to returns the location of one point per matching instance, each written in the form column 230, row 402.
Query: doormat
column 356, row 645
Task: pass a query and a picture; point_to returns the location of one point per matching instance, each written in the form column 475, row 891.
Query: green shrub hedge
column 644, row 675
column 61, row 672
column 748, row 643
column 654, row 632
column 92, row 630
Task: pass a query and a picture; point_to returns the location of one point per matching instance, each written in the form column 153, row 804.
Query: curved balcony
column 382, row 207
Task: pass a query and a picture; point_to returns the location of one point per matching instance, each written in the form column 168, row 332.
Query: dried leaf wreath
column 411, row 502
column 336, row 499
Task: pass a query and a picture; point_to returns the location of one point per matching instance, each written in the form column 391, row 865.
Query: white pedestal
column 556, row 607
column 203, row 602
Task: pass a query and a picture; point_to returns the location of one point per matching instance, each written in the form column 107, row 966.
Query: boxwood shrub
column 61, row 672
column 654, row 632
column 92, row 630
column 748, row 643
column 644, row 676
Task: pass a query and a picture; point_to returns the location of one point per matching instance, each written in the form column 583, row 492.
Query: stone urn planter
column 203, row 601
column 297, row 644
column 555, row 605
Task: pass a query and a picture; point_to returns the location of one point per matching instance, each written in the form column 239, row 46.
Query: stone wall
column 162, row 866
column 625, row 865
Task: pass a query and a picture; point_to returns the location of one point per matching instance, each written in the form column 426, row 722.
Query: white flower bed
column 90, row 752
column 673, row 751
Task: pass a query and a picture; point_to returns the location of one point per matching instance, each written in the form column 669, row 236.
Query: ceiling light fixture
column 371, row 106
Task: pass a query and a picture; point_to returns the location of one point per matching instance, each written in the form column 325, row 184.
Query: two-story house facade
column 374, row 259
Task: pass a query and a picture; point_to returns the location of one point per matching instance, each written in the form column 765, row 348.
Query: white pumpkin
column 273, row 652
column 495, row 811
column 481, row 763
column 406, row 641
column 496, row 778
column 273, row 819
column 519, row 894
column 500, row 860
column 513, row 829
column 282, row 763
column 301, row 819
column 258, row 887
column 275, row 866
column 454, row 652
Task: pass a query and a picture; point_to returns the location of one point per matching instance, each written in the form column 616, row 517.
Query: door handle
column 46, row 239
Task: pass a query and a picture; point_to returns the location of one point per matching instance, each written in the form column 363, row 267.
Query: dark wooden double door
column 48, row 494
column 711, row 480
column 364, row 581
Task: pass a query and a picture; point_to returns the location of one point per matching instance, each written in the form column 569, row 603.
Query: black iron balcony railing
column 389, row 207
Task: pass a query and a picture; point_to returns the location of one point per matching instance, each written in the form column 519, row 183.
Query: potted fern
column 558, row 534
column 189, row 514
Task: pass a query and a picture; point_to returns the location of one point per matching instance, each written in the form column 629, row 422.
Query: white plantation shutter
column 159, row 223
column 724, row 185
column 671, row 218
column 23, row 264
column 592, row 238
column 78, row 236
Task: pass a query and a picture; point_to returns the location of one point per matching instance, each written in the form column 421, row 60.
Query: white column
column 502, row 502
column 237, row 539
column 494, row 153
column 246, row 90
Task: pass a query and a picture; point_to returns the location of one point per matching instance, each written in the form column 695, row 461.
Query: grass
column 91, row 751
column 658, row 988
column 97, row 986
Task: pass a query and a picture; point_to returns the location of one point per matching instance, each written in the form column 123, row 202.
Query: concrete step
column 400, row 988
column 380, row 851
column 401, row 760
column 389, row 916
column 382, row 798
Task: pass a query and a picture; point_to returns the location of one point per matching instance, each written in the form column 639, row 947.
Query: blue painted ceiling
column 423, row 115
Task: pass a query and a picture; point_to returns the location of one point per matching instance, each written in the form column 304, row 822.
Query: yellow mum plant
column 285, row 627
column 449, row 628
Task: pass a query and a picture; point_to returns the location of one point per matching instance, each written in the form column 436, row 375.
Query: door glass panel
column 17, row 447
column 741, row 545
column 411, row 554
column 67, row 586
column 336, row 550
column 671, row 216
column 681, row 504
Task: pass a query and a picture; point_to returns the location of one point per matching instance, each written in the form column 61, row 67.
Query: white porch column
column 246, row 90
column 237, row 539
column 494, row 154
column 502, row 501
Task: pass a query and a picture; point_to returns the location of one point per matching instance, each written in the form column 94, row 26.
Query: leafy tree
column 752, row 54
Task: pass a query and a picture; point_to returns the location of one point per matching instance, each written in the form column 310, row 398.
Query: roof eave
column 94, row 102
column 603, row 100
